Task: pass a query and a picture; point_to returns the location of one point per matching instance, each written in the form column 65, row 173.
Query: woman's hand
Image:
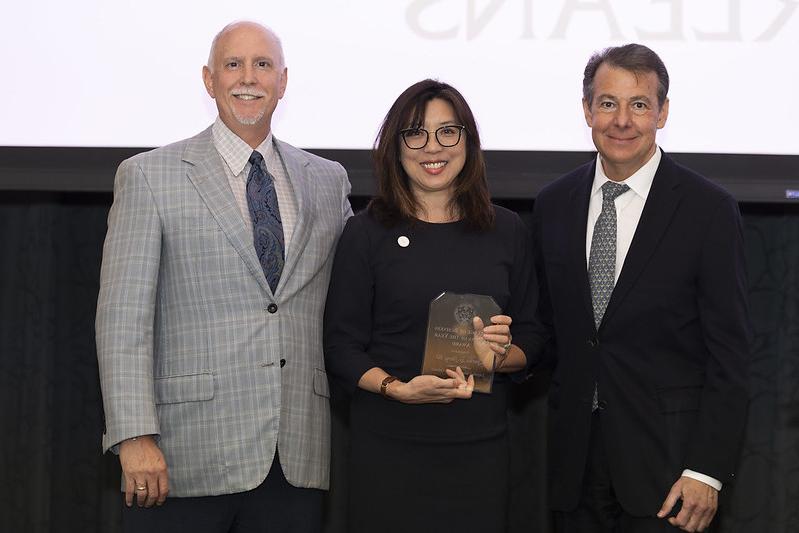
column 432, row 389
column 492, row 343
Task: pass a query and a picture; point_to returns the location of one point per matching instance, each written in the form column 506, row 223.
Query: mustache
column 247, row 91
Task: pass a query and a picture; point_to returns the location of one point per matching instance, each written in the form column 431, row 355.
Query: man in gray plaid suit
column 213, row 380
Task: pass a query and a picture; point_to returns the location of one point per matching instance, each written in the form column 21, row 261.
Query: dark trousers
column 272, row 507
column 598, row 510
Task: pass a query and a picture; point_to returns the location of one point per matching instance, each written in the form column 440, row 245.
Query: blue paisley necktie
column 267, row 226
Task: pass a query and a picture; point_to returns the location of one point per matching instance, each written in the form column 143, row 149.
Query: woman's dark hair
column 395, row 200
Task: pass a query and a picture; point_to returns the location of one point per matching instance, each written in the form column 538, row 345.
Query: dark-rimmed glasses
column 447, row 136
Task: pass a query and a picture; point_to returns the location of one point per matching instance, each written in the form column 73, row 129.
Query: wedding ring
column 141, row 488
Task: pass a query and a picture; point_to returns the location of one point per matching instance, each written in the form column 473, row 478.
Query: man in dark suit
column 642, row 270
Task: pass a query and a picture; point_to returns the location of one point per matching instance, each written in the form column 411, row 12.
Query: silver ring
column 141, row 488
column 507, row 346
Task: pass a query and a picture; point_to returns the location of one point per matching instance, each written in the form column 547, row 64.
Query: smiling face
column 246, row 77
column 432, row 170
column 624, row 117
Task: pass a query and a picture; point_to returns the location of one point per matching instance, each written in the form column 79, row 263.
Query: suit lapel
column 580, row 197
column 296, row 164
column 661, row 204
column 209, row 178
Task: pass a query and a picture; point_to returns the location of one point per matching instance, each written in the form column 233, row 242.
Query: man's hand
column 699, row 504
column 145, row 471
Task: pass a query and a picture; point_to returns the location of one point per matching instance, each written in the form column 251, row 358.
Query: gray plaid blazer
column 189, row 335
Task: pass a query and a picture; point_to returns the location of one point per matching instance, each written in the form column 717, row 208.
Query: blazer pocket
column 678, row 399
column 320, row 384
column 187, row 388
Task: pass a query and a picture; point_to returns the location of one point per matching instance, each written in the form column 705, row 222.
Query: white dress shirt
column 236, row 155
column 629, row 207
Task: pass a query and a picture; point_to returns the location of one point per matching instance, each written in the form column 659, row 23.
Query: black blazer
column 671, row 352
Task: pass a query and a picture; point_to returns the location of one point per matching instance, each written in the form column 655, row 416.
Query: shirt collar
column 234, row 151
column 640, row 182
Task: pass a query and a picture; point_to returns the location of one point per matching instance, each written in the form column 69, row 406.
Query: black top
column 377, row 309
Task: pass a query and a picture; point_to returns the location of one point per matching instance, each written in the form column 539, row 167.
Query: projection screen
column 101, row 73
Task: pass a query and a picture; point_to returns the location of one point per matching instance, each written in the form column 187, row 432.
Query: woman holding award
column 438, row 447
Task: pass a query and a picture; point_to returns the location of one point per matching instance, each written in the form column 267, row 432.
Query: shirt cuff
column 707, row 480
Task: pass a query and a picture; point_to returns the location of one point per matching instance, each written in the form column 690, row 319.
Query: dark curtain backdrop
column 53, row 478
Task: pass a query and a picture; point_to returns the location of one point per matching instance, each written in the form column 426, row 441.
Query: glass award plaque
column 451, row 340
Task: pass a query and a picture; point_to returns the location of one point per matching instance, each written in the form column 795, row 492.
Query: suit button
column 272, row 308
column 602, row 404
column 593, row 342
column 282, row 363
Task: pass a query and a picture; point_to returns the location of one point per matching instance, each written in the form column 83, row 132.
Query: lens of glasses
column 414, row 138
column 448, row 135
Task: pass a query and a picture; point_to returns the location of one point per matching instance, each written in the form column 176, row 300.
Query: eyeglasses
column 416, row 138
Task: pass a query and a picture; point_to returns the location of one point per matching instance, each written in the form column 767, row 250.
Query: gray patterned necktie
column 602, row 258
column 267, row 226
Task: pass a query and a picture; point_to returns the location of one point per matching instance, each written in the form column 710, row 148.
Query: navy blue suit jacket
column 671, row 352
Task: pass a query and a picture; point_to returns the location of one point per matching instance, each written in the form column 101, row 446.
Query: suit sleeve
column 346, row 208
column 546, row 354
column 528, row 333
column 348, row 310
column 126, row 309
column 722, row 303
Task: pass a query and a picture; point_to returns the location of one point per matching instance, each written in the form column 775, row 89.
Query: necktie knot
column 612, row 190
column 257, row 161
